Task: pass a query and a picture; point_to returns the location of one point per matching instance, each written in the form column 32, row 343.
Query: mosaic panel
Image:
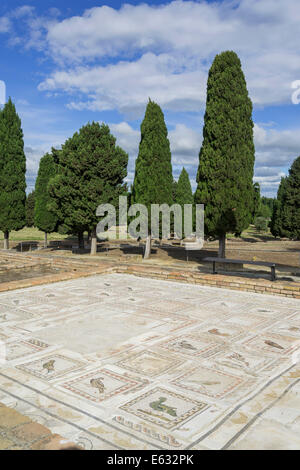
column 149, row 363
column 102, row 384
column 222, row 331
column 24, row 348
column 164, row 408
column 243, row 360
column 193, row 345
column 210, row 382
column 51, row 367
column 273, row 343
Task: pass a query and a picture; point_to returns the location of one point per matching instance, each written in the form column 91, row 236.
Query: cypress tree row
column 153, row 181
column 44, row 219
column 226, row 160
column 12, row 172
column 184, row 193
column 91, row 172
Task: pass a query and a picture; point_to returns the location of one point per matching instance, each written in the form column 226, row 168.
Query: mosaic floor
column 121, row 362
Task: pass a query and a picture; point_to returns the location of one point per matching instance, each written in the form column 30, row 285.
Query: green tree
column 91, row 171
column 290, row 214
column 261, row 224
column 226, row 160
column 29, row 207
column 44, row 219
column 153, row 181
column 276, row 225
column 12, row 172
column 184, row 193
column 256, row 200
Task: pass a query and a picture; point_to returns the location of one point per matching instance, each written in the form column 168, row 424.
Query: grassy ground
column 32, row 234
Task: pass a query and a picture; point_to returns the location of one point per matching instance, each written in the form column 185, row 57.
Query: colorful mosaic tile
column 273, row 343
column 210, row 382
column 102, row 384
column 51, row 367
column 164, row 408
column 149, row 363
column 222, row 331
column 193, row 345
column 243, row 360
column 24, row 348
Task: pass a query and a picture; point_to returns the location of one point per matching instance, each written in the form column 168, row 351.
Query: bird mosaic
column 49, row 366
column 98, row 384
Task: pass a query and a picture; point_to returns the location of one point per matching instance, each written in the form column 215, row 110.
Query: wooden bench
column 239, row 261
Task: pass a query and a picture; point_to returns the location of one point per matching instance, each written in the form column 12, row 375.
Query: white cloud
column 276, row 148
column 127, row 85
column 169, row 48
column 5, row 24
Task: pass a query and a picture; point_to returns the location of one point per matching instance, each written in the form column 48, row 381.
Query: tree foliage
column 91, row 171
column 153, row 181
column 29, row 207
column 286, row 213
column 184, row 193
column 12, row 170
column 44, row 219
column 226, row 160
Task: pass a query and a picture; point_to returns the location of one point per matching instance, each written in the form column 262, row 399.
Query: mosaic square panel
column 248, row 321
column 171, row 322
column 243, row 360
column 164, row 408
column 267, row 311
column 169, row 306
column 103, row 384
column 51, row 367
column 289, row 328
column 149, row 363
column 273, row 343
column 223, row 307
column 221, row 331
column 8, row 314
column 24, row 348
column 193, row 345
column 210, row 382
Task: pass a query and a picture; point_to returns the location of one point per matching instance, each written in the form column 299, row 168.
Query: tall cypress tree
column 29, row 207
column 44, row 219
column 226, row 160
column 12, row 172
column 184, row 193
column 256, row 201
column 276, row 225
column 291, row 221
column 91, row 172
column 153, row 181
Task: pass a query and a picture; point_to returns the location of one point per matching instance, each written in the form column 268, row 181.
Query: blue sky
column 67, row 64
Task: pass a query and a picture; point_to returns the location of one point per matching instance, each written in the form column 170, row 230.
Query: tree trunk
column 6, row 240
column 148, row 247
column 89, row 236
column 46, row 240
column 93, row 242
column 80, row 240
column 222, row 242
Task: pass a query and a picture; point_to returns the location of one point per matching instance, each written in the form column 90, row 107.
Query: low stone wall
column 215, row 280
column 70, row 268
